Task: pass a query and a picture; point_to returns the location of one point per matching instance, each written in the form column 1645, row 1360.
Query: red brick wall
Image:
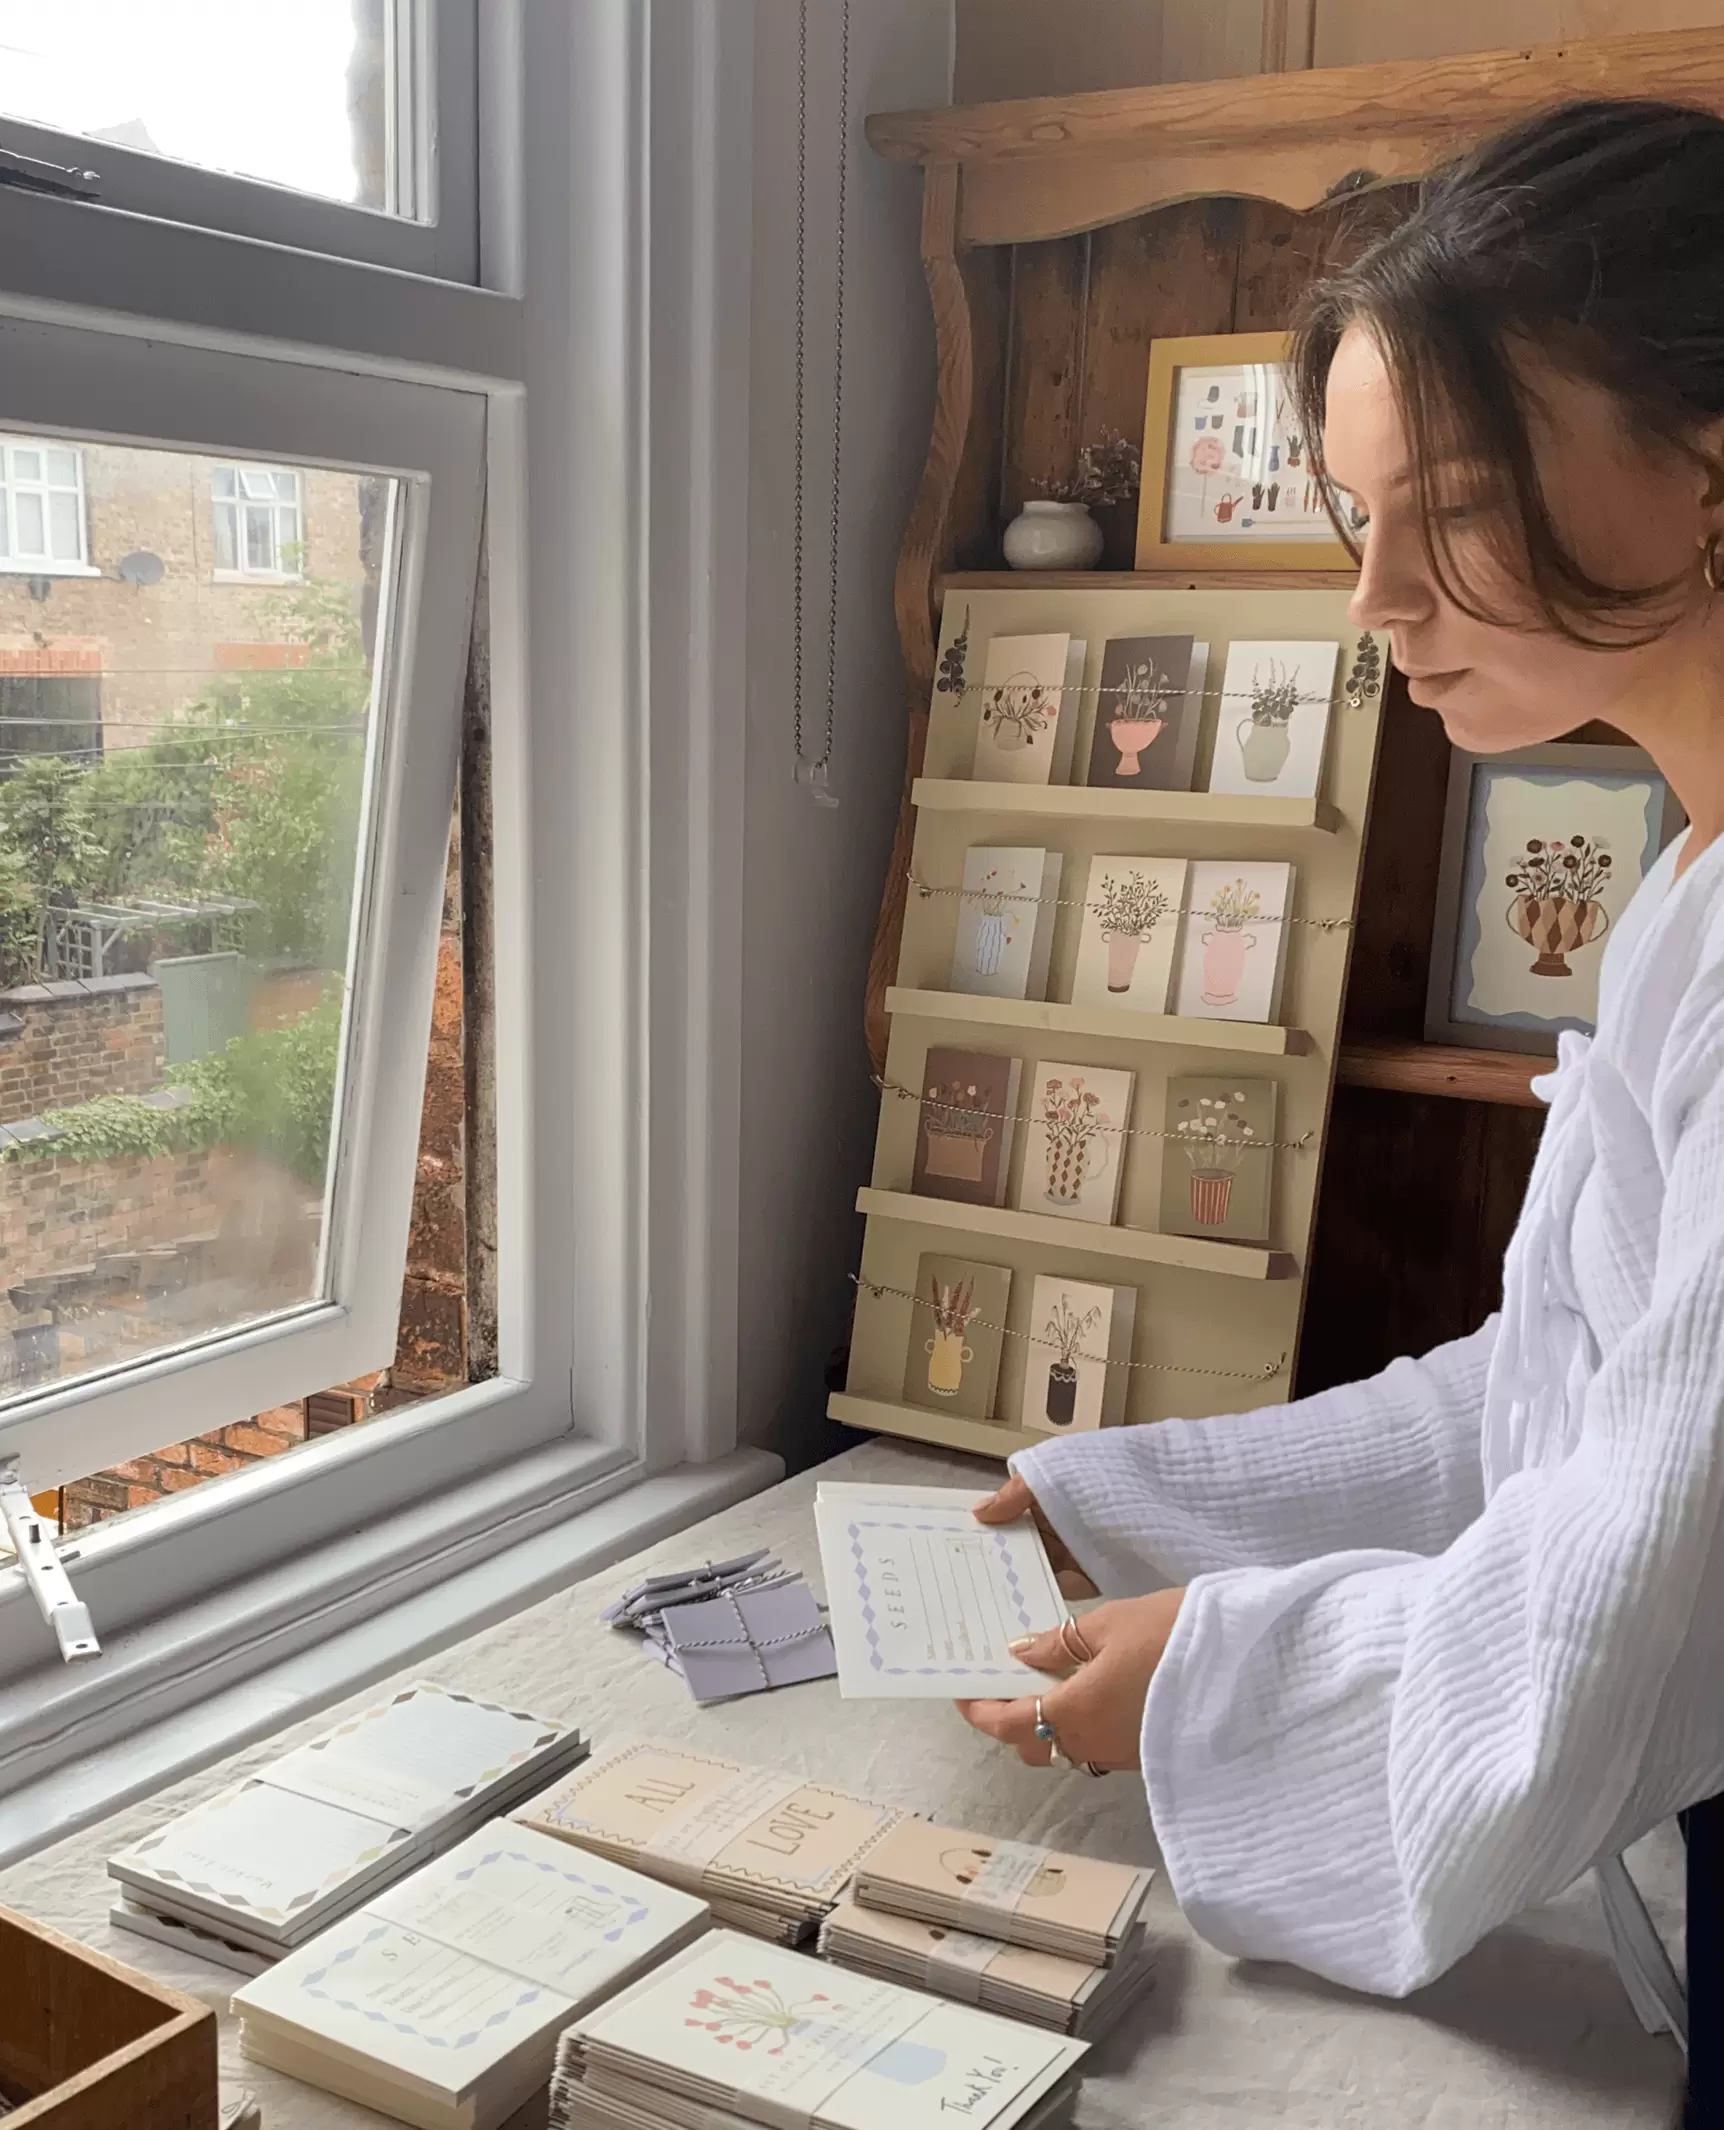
column 431, row 1348
column 79, row 1040
column 56, row 1212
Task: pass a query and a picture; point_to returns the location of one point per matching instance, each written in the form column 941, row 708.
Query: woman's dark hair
column 1591, row 236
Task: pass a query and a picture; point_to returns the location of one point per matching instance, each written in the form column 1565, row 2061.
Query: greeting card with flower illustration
column 1551, row 859
column 1217, row 1162
column 1130, row 928
column 1031, row 690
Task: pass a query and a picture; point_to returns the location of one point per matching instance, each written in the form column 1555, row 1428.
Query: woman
column 1442, row 1640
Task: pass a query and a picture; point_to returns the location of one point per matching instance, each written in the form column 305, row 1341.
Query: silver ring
column 1090, row 1768
column 1044, row 1729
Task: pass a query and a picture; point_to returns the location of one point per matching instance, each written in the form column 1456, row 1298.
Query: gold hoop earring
column 1709, row 563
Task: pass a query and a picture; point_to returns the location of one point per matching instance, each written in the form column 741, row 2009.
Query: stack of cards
column 1070, row 1996
column 730, row 1627
column 264, row 1866
column 732, row 2032
column 441, row 2001
column 1075, row 1907
column 771, row 1852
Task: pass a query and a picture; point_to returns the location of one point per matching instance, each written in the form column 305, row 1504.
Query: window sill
column 11, row 566
column 258, row 576
column 199, row 1683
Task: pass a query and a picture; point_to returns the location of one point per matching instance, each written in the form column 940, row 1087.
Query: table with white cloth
column 1530, row 2030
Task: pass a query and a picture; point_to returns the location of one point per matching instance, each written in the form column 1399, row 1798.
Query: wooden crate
column 86, row 2044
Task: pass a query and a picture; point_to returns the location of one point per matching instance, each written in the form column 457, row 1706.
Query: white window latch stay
column 44, row 1570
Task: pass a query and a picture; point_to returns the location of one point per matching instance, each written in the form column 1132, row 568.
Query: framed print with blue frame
column 1543, row 850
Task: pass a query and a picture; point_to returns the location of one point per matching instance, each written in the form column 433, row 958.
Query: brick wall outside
column 78, row 1040
column 431, row 1348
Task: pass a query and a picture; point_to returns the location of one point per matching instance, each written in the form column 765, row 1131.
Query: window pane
column 226, row 540
column 63, row 541
column 258, row 551
column 31, row 532
column 222, row 481
column 27, row 465
column 181, row 776
column 63, row 468
column 293, row 91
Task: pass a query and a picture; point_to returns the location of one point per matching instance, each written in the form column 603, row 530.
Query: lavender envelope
column 750, row 1641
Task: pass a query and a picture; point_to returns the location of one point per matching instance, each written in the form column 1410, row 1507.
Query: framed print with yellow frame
column 1228, row 480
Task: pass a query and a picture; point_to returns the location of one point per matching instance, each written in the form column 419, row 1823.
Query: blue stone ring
column 1044, row 1729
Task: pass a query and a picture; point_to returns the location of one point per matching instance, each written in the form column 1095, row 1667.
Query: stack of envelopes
column 264, row 1866
column 440, row 2002
column 1070, row 1996
column 732, row 1627
column 1076, row 1907
column 732, row 2033
column 768, row 1850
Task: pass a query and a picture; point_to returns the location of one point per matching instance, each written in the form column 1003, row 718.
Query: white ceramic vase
column 1048, row 535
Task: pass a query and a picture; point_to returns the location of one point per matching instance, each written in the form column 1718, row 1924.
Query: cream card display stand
column 1217, row 1321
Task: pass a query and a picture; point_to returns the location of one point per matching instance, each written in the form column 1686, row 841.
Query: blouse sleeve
column 1392, row 1462
column 1364, row 1762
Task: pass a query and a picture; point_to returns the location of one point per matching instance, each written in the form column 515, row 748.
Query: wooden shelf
column 1442, row 1069
column 1043, row 1017
column 1091, row 1237
column 1084, row 802
column 1145, row 580
column 982, row 1438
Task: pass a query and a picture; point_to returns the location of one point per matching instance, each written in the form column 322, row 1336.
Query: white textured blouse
column 1453, row 1635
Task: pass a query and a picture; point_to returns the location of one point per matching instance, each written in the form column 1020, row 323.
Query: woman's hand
column 1014, row 1501
column 1097, row 1708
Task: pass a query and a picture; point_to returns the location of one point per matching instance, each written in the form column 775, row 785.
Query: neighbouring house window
column 259, row 529
column 42, row 507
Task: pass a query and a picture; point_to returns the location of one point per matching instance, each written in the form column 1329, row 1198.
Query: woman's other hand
column 1096, row 1710
column 1015, row 1501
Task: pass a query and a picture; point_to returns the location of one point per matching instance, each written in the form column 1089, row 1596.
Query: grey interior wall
column 813, row 876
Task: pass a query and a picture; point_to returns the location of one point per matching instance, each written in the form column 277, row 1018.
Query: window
column 346, row 126
column 253, row 852
column 42, row 530
column 259, row 530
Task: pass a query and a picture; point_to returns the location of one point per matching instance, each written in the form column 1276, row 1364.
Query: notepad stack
column 770, row 1852
column 264, row 1866
column 1076, row 1907
column 440, row 2001
column 1068, row 1996
column 732, row 2032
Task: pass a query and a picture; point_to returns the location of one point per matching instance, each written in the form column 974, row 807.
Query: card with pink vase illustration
column 966, row 1116
column 1075, row 1141
column 1080, row 1344
column 1147, row 713
column 1031, row 689
column 771, row 2036
column 1233, row 942
column 1006, row 913
column 1218, row 1159
column 1275, row 702
column 957, row 1333
column 1130, row 929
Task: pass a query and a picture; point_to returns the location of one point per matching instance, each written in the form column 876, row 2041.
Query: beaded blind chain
column 1266, row 1374
column 814, row 771
column 1124, row 1131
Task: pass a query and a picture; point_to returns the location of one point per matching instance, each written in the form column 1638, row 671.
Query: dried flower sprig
column 1110, row 471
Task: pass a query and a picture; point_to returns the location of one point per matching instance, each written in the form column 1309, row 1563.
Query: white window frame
column 210, row 401
column 433, row 49
column 238, row 504
column 618, row 717
column 12, row 564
